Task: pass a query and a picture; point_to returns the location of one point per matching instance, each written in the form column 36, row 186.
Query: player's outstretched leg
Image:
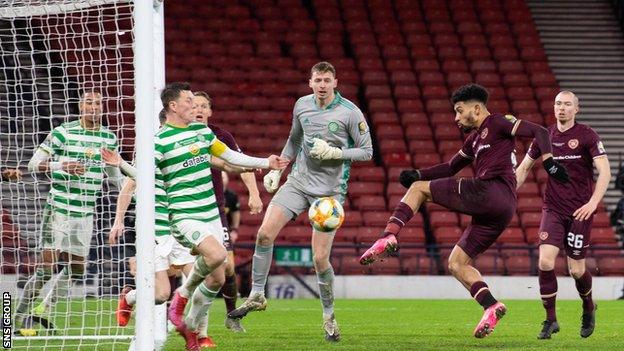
column 418, row 193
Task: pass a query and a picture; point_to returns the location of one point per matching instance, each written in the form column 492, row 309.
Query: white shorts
column 169, row 252
column 66, row 233
column 190, row 232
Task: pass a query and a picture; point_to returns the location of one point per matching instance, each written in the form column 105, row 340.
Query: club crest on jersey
column 194, row 149
column 484, row 133
column 89, row 152
column 333, row 127
column 543, row 236
column 573, row 143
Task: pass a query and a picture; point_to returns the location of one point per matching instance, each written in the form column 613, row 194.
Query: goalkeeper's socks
column 260, row 267
column 131, row 297
column 481, row 293
column 198, row 273
column 230, row 292
column 401, row 215
column 326, row 290
column 200, row 304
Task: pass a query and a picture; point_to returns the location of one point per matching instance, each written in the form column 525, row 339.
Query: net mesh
column 52, row 52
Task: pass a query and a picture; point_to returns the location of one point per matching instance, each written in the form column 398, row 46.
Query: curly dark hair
column 470, row 92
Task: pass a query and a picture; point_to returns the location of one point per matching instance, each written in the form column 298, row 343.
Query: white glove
column 271, row 180
column 322, row 151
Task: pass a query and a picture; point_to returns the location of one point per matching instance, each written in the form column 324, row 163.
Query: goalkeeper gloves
column 408, row 177
column 322, row 151
column 556, row 170
column 271, row 180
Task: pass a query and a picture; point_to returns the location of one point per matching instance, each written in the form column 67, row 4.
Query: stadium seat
column 370, row 203
column 518, row 265
column 443, row 219
column 417, row 265
column 445, row 235
column 490, row 265
column 512, row 235
column 611, row 266
column 530, row 219
column 387, row 266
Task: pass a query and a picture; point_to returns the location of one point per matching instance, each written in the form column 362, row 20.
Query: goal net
column 52, row 52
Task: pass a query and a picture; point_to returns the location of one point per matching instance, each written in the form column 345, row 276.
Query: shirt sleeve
column 505, row 125
column 295, row 138
column 466, row 150
column 54, row 143
column 534, row 151
column 228, row 139
column 594, row 145
column 362, row 149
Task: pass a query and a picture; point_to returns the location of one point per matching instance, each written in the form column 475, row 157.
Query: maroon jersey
column 492, row 149
column 575, row 149
column 217, row 178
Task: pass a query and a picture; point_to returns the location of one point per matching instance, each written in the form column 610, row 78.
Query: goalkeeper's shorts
column 293, row 201
column 169, row 252
column 66, row 233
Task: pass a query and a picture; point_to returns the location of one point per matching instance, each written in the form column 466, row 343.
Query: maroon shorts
column 491, row 203
column 565, row 232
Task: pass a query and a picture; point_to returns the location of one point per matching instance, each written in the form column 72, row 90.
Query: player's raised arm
column 41, row 161
column 460, row 160
column 524, row 128
column 221, row 150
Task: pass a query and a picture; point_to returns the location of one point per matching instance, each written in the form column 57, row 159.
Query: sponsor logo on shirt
column 573, row 143
column 601, row 147
column 567, row 157
column 558, row 144
column 195, row 161
column 484, row 133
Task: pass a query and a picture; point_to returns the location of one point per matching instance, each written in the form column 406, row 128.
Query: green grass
column 393, row 325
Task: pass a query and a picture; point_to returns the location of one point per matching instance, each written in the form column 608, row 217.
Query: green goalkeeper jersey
column 75, row 195
column 183, row 160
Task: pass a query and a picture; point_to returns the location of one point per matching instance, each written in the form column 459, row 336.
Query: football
column 326, row 214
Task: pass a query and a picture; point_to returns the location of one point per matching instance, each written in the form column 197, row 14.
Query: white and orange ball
column 326, row 214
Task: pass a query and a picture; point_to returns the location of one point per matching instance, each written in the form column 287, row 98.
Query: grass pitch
column 373, row 325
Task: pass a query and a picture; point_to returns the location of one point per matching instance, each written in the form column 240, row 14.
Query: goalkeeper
column 327, row 134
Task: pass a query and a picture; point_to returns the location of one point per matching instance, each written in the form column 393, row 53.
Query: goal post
column 51, row 52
